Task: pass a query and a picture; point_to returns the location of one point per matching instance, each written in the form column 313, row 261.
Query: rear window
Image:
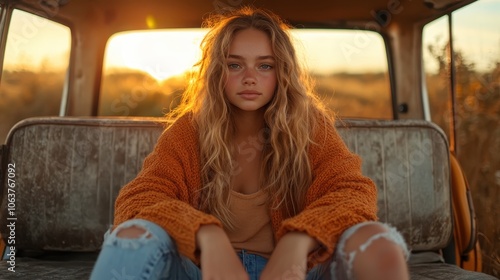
column 145, row 71
column 34, row 70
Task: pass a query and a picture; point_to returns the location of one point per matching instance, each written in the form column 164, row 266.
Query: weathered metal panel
column 69, row 172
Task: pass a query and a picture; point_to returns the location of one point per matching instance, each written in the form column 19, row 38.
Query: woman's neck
column 248, row 123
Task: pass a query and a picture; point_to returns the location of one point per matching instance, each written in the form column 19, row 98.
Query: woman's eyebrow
column 265, row 57
column 235, row 56
column 262, row 57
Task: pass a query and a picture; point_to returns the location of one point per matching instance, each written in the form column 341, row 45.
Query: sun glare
column 160, row 54
column 166, row 53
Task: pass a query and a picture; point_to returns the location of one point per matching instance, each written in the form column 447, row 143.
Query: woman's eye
column 266, row 67
column 233, row 66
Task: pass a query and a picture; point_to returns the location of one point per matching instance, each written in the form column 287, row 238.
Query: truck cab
column 414, row 84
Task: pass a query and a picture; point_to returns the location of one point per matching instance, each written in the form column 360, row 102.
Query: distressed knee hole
column 131, row 237
column 363, row 238
column 133, row 232
column 366, row 235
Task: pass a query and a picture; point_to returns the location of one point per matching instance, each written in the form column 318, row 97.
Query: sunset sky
column 166, row 53
column 163, row 54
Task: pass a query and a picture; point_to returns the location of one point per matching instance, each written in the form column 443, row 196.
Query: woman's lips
column 249, row 95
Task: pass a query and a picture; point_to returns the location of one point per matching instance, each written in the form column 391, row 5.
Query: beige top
column 253, row 231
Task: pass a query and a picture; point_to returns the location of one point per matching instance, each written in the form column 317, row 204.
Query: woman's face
column 251, row 80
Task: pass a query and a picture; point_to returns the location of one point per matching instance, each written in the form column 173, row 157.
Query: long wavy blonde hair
column 289, row 117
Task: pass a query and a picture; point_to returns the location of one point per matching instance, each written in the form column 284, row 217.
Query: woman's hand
column 289, row 259
column 218, row 259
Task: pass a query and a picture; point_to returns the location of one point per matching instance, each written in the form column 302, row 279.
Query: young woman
column 251, row 179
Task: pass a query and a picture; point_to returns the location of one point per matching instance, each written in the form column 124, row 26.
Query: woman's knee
column 136, row 248
column 137, row 232
column 374, row 245
column 132, row 232
column 366, row 234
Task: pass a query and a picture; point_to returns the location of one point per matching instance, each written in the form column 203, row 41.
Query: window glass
column 476, row 57
column 36, row 58
column 350, row 70
column 144, row 71
column 476, row 39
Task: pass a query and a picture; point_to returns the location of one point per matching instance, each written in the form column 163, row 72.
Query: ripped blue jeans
column 154, row 256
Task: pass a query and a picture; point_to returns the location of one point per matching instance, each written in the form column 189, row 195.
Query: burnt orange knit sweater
column 166, row 192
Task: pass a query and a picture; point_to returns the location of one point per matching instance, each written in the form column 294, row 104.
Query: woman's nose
column 250, row 77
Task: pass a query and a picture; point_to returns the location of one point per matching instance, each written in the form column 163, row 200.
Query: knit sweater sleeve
column 166, row 189
column 338, row 198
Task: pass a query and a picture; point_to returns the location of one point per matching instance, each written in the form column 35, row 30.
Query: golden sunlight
column 161, row 54
column 167, row 53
